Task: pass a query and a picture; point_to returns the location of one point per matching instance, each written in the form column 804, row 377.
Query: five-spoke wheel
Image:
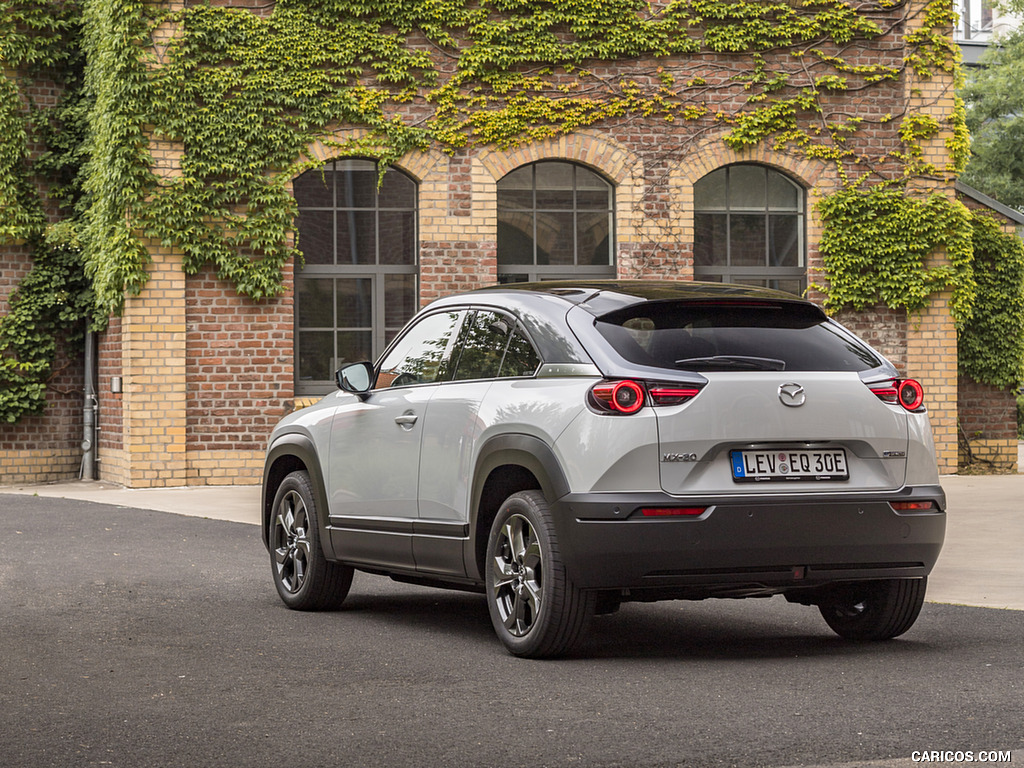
column 304, row 578
column 535, row 608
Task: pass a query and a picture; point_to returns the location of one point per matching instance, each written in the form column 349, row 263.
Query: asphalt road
column 137, row 638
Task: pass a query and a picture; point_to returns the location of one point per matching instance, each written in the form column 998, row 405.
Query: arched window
column 748, row 225
column 555, row 220
column 357, row 285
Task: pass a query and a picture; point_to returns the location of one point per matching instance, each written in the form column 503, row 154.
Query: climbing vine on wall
column 230, row 100
column 240, row 97
column 876, row 246
column 40, row 42
column 991, row 343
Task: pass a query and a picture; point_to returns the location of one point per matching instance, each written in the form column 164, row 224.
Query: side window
column 482, row 344
column 520, row 357
column 421, row 355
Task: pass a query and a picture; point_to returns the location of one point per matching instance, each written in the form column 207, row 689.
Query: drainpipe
column 91, row 406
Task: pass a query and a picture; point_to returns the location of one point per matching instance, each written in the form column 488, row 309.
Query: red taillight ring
column 627, row 397
column 911, row 394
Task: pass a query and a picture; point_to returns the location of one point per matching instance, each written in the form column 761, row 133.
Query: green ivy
column 241, row 98
column 876, row 246
column 991, row 342
column 53, row 301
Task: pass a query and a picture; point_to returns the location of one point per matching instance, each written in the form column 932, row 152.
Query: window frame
column 766, row 274
column 534, row 272
column 377, row 273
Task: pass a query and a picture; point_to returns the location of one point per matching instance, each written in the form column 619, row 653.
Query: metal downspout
column 90, row 408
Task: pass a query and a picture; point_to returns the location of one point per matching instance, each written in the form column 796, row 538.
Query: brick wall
column 885, row 330
column 206, row 373
column 45, row 447
column 987, row 415
column 239, row 378
column 988, row 426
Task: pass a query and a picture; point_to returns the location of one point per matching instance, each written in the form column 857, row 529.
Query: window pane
column 516, row 189
column 747, row 188
column 505, row 278
column 709, row 192
column 710, row 239
column 482, row 345
column 515, row 238
column 783, row 194
column 419, row 354
column 592, row 238
column 357, row 237
column 397, row 237
column 397, row 191
column 520, row 357
column 355, row 303
column 747, row 240
column 784, row 241
column 554, row 186
column 314, row 189
column 357, row 186
column 797, row 335
column 359, row 229
column 316, row 350
column 399, row 300
column 555, row 238
column 592, row 192
column 316, row 236
column 790, row 286
column 594, row 199
column 315, row 300
column 557, row 214
column 353, row 347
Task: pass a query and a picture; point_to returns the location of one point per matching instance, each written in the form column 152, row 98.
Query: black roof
column 602, row 296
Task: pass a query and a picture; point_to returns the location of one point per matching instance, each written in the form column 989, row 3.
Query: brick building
column 191, row 377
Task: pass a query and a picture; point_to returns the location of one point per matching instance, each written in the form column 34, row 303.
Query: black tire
column 536, row 610
column 874, row 610
column 305, row 579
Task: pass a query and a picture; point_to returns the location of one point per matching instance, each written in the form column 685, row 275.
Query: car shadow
column 707, row 630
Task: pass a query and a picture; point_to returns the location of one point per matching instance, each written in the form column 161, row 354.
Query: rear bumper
column 745, row 546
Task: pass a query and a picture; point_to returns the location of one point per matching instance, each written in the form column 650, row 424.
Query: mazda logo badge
column 792, row 395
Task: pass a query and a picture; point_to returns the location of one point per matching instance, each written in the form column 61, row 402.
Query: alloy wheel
column 291, row 541
column 518, row 576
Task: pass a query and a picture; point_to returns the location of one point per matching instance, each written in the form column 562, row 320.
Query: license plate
column 760, row 466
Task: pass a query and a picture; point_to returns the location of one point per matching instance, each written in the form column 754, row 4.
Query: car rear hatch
column 787, row 400
column 788, row 432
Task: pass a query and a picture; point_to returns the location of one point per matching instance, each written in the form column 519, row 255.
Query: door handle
column 406, row 420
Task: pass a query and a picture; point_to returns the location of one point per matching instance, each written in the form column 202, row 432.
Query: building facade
column 192, row 376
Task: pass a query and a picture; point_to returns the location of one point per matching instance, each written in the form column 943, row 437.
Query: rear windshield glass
column 733, row 337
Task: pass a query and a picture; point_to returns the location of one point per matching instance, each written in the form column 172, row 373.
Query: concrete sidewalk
column 982, row 562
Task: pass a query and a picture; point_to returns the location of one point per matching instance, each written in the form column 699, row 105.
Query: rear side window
column 491, row 346
column 721, row 336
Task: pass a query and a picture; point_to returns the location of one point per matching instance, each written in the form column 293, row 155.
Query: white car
column 566, row 447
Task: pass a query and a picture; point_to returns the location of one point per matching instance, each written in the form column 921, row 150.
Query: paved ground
column 981, row 562
column 136, row 638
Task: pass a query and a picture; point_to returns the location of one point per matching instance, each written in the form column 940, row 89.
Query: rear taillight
column 906, row 392
column 665, row 395
column 628, row 396
column 904, row 506
column 672, row 511
column 619, row 396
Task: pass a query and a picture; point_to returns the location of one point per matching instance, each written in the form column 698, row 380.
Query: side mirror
column 355, row 378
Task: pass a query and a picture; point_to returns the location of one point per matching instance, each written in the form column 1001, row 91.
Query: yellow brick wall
column 153, row 366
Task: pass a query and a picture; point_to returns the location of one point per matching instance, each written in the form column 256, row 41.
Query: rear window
column 720, row 336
